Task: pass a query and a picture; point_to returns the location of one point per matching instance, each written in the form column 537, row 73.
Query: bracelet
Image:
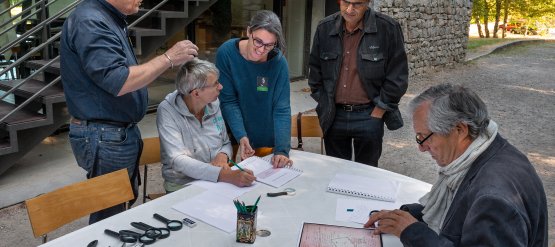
column 169, row 59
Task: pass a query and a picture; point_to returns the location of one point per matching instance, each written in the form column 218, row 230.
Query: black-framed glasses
column 356, row 5
column 421, row 141
column 259, row 43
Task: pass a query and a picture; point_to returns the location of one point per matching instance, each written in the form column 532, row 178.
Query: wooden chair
column 306, row 126
column 50, row 211
column 150, row 155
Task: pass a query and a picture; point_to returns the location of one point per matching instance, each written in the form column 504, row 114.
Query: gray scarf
column 438, row 201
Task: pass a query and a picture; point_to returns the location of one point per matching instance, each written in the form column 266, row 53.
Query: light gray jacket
column 188, row 146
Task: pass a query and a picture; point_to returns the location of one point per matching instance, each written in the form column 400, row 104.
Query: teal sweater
column 263, row 116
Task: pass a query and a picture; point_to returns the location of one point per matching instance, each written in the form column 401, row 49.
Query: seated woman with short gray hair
column 193, row 139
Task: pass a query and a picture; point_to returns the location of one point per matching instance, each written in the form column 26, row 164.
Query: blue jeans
column 103, row 148
column 355, row 131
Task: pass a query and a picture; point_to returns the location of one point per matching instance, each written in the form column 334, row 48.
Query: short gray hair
column 193, row 75
column 451, row 105
column 268, row 21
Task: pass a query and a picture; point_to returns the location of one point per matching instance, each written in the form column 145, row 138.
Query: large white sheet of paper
column 225, row 189
column 360, row 209
column 211, row 208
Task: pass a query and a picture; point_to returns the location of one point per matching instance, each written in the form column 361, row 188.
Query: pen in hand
column 235, row 164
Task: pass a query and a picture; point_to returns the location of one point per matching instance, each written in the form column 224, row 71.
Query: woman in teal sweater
column 255, row 98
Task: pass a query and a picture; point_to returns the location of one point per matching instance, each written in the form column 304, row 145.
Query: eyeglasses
column 421, row 141
column 216, row 84
column 259, row 43
column 356, row 5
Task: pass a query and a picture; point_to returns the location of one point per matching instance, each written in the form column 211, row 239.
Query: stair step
column 19, row 117
column 164, row 13
column 4, row 143
column 54, row 68
column 53, row 94
column 147, row 31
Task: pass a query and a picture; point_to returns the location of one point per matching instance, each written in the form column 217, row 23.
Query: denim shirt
column 95, row 58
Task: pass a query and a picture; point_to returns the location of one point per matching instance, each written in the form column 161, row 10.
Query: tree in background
column 531, row 14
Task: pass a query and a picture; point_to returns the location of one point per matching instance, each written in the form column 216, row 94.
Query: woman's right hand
column 245, row 148
column 237, row 177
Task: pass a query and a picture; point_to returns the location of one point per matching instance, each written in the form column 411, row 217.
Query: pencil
column 235, row 164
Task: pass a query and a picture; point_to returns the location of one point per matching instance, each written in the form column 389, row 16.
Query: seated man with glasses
column 193, row 139
column 487, row 192
column 255, row 99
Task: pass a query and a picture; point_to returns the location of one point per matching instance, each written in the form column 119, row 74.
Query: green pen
column 235, row 164
column 255, row 203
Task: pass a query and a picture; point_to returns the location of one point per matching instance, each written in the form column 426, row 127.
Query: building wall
column 435, row 31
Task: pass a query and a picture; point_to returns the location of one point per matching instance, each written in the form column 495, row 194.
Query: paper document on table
column 225, row 189
column 356, row 210
column 211, row 208
column 266, row 173
column 313, row 234
column 371, row 188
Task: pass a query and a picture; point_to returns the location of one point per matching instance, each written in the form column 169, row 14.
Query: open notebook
column 377, row 189
column 265, row 173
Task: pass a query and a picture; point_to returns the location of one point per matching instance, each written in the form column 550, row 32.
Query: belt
column 101, row 121
column 348, row 107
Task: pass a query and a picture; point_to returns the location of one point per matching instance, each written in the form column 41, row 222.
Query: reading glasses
column 259, row 43
column 421, row 141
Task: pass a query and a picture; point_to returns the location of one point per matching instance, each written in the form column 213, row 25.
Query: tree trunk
column 486, row 18
column 497, row 16
column 480, row 33
column 505, row 16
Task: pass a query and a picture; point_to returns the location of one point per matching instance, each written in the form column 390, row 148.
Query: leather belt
column 101, row 121
column 347, row 107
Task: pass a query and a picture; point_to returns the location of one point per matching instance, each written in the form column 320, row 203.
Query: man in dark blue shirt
column 105, row 87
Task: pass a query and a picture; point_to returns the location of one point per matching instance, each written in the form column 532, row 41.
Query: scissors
column 157, row 233
column 173, row 225
column 286, row 191
column 125, row 238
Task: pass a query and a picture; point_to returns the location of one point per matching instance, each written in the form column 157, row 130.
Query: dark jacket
column 381, row 62
column 500, row 202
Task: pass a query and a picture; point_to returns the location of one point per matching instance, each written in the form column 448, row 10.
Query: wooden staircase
column 37, row 108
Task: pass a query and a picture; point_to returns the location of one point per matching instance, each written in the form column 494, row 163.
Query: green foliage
column 529, row 12
column 474, row 43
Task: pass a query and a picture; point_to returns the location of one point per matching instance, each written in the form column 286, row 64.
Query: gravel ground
column 517, row 84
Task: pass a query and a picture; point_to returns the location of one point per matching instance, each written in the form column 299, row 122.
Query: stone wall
column 435, row 31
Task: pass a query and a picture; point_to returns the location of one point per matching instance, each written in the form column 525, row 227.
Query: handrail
column 147, row 13
column 25, row 11
column 30, row 53
column 26, row 102
column 10, row 8
column 23, row 19
column 39, row 26
column 29, row 77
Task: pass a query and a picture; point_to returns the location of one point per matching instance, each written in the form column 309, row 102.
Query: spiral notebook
column 266, row 173
column 372, row 188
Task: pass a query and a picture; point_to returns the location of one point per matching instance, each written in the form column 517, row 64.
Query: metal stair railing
column 148, row 13
column 39, row 26
column 10, row 8
column 38, row 71
column 26, row 102
column 26, row 17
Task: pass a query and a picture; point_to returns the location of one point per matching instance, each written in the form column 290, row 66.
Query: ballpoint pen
column 235, row 164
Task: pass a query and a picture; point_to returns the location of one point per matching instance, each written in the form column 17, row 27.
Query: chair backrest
column 151, row 151
column 52, row 210
column 306, row 126
column 149, row 155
